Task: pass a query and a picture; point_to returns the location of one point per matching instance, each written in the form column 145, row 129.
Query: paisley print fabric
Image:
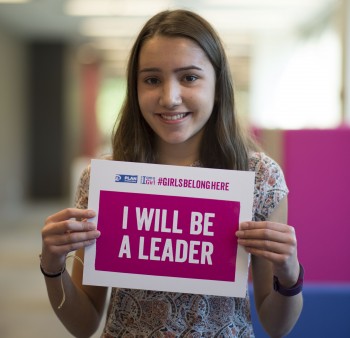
column 142, row 313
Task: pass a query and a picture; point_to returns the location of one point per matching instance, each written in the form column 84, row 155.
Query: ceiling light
column 13, row 1
column 251, row 20
column 112, row 7
column 264, row 3
column 111, row 27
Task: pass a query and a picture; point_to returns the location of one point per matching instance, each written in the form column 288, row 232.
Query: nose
column 170, row 94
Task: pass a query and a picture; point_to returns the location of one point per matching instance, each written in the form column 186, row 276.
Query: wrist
column 53, row 269
column 288, row 274
column 292, row 290
column 52, row 275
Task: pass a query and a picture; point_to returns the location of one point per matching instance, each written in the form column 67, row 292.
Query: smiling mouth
column 173, row 117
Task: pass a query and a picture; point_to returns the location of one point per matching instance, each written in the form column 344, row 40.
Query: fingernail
column 239, row 233
column 244, row 226
column 92, row 226
column 91, row 213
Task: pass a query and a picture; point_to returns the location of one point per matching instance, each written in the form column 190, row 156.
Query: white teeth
column 173, row 117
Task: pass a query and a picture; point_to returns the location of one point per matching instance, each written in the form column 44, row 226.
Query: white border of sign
column 241, row 185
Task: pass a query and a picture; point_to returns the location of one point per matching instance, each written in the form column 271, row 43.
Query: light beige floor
column 24, row 307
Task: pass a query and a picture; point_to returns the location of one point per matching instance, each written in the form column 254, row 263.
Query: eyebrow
column 180, row 69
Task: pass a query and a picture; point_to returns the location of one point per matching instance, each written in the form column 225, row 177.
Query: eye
column 190, row 78
column 152, row 81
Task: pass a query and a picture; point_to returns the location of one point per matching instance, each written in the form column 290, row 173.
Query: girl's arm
column 274, row 252
column 83, row 306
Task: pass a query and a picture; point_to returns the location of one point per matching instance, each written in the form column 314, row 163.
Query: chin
column 174, row 139
column 175, row 142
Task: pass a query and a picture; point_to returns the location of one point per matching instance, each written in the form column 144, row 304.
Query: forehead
column 162, row 49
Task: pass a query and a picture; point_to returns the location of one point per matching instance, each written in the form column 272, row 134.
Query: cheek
column 208, row 100
column 143, row 103
column 146, row 100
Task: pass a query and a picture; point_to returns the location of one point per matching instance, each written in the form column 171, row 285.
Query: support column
column 89, row 94
column 46, row 120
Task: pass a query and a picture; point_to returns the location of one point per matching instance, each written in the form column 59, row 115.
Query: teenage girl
column 179, row 110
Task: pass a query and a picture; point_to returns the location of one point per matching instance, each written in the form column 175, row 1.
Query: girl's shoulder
column 268, row 172
column 85, row 174
column 82, row 192
column 260, row 162
column 257, row 159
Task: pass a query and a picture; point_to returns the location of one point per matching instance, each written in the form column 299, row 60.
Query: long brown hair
column 223, row 145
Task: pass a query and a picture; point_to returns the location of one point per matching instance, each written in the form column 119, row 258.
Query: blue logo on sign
column 126, row 178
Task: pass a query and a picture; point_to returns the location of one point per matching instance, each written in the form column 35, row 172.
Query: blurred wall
column 13, row 122
column 19, row 140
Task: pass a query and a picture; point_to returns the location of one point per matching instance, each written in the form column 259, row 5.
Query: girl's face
column 176, row 89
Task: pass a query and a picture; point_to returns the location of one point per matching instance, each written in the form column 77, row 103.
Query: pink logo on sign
column 167, row 236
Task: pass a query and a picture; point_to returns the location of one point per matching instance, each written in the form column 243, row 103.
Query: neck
column 179, row 154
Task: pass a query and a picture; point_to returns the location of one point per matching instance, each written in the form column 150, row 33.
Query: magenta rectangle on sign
column 167, row 236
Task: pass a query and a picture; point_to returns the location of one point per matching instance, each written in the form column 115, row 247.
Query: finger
column 266, row 230
column 281, row 248
column 68, row 226
column 69, row 247
column 70, row 213
column 266, row 225
column 265, row 235
column 72, row 237
column 273, row 257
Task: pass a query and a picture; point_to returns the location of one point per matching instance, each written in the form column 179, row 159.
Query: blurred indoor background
column 62, row 82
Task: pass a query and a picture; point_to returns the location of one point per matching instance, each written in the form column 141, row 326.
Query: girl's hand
column 275, row 242
column 63, row 233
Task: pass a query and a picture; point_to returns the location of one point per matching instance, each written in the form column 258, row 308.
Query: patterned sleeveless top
column 143, row 313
